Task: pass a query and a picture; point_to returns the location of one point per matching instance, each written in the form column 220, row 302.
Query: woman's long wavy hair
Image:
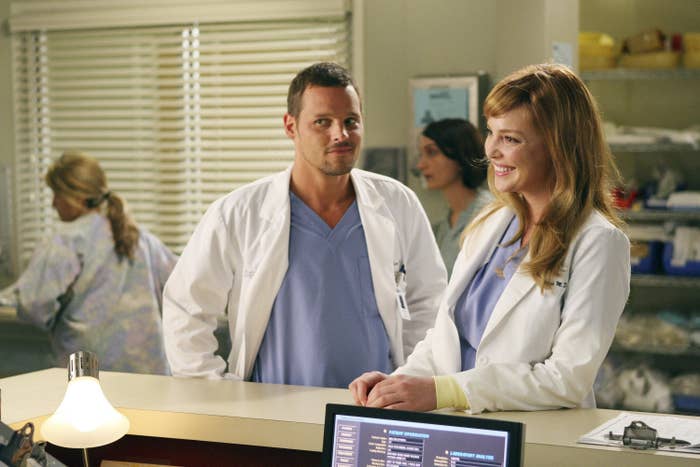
column 566, row 114
column 80, row 180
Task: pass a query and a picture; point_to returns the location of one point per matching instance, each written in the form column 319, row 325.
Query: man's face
column 327, row 134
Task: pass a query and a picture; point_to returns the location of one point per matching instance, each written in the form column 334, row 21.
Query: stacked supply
column 681, row 257
column 691, row 50
column 647, row 244
column 597, row 51
column 648, row 50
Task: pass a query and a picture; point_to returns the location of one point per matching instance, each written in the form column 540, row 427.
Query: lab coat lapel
column 520, row 284
column 273, row 244
column 380, row 235
column 477, row 249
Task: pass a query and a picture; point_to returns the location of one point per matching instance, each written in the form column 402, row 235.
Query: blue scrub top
column 476, row 304
column 324, row 328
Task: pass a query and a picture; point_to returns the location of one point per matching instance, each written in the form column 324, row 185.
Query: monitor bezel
column 515, row 430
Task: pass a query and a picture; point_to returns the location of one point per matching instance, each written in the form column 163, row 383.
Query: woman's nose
column 420, row 163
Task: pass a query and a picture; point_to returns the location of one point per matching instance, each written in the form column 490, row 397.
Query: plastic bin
column 690, row 268
column 686, row 403
column 646, row 256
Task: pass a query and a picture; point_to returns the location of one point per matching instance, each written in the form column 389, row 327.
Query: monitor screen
column 359, row 436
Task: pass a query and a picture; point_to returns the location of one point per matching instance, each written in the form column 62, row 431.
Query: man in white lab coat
column 323, row 271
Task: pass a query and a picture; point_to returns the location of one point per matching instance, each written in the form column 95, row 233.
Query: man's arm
column 195, row 295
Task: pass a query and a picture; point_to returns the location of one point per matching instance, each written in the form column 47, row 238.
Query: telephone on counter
column 18, row 449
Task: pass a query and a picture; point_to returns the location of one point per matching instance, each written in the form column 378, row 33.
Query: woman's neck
column 458, row 198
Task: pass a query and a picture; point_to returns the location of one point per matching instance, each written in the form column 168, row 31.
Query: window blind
column 177, row 115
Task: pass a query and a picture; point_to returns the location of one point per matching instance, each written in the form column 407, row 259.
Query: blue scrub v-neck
column 324, row 327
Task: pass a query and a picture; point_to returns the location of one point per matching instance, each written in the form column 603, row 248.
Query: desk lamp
column 85, row 417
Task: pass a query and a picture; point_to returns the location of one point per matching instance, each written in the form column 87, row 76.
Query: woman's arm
column 45, row 287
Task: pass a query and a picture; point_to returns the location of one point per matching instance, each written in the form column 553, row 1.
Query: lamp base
column 86, row 461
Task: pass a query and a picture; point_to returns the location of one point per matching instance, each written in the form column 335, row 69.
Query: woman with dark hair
column 532, row 305
column 96, row 283
column 452, row 161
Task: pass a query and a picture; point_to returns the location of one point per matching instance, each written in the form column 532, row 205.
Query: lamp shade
column 85, row 418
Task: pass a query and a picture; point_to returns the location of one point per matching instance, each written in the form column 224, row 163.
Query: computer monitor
column 357, row 436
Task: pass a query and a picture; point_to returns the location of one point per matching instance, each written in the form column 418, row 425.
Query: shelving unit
column 637, row 74
column 652, row 215
column 662, row 98
column 657, row 280
column 653, row 148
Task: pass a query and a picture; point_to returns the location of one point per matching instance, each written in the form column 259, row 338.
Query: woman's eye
column 510, row 139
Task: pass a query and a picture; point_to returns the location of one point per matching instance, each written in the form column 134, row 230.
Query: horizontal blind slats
column 178, row 116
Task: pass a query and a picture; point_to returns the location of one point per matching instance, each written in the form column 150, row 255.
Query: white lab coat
column 539, row 350
column 238, row 256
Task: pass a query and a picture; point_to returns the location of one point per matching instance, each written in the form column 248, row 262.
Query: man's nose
column 339, row 132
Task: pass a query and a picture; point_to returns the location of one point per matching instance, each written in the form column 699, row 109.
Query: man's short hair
column 324, row 74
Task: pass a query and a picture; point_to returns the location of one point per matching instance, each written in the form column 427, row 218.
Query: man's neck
column 328, row 196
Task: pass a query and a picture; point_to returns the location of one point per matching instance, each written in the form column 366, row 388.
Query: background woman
column 452, row 161
column 533, row 302
column 96, row 284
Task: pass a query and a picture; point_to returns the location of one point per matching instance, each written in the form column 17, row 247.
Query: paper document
column 686, row 429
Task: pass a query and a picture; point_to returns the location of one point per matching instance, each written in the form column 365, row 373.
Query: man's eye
column 321, row 121
column 352, row 123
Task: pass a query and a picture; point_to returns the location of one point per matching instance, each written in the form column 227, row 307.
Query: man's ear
column 290, row 126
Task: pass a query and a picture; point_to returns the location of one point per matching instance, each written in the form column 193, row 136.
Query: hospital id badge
column 400, row 277
column 401, row 303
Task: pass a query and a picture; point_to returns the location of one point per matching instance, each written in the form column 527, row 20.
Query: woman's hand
column 404, row 393
column 363, row 384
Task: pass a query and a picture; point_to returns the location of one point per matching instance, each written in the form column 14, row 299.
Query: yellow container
column 691, row 59
column 691, row 41
column 651, row 60
column 596, row 51
column 591, row 62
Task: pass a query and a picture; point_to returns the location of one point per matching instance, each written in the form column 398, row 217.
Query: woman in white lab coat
column 96, row 282
column 543, row 275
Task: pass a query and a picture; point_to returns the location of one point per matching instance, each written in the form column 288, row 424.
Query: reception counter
column 277, row 417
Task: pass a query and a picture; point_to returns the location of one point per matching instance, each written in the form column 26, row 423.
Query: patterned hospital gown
column 76, row 288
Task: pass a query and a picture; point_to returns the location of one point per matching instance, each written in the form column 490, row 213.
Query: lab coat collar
column 278, row 195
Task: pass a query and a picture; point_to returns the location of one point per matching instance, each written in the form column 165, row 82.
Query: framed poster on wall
column 436, row 98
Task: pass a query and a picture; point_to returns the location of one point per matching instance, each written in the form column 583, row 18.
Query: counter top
column 290, row 416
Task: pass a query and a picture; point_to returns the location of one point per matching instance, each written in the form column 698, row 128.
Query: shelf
column 631, row 73
column 652, row 280
column 660, row 215
column 671, row 351
column 653, row 147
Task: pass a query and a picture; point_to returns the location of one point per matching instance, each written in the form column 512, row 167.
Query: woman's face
column 438, row 170
column 67, row 211
column 516, row 150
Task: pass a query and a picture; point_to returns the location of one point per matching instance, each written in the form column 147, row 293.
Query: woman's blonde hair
column 566, row 114
column 80, row 180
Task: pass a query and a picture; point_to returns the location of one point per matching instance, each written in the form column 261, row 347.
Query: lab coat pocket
column 366, row 288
